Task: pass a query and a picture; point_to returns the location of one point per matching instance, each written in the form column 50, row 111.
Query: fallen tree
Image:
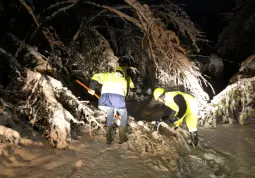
column 51, row 109
column 40, row 79
column 166, row 58
column 42, row 100
column 236, row 102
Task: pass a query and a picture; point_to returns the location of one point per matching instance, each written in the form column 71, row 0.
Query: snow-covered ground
column 235, row 143
column 227, row 151
column 86, row 158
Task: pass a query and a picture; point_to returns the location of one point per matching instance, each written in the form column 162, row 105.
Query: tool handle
column 86, row 87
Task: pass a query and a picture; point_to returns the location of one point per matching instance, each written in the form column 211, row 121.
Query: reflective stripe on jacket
column 113, row 91
column 188, row 105
column 130, row 83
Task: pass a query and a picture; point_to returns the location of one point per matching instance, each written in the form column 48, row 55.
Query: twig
column 41, row 59
column 61, row 10
column 29, row 9
column 51, row 16
column 121, row 14
column 11, row 57
column 58, row 4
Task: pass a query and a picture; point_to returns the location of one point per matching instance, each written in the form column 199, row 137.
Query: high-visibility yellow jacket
column 185, row 105
column 114, row 89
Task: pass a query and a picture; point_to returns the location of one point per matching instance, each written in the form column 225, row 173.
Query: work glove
column 194, row 138
column 92, row 92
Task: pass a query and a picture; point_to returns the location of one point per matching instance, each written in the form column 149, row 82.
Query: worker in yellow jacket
column 183, row 106
column 112, row 99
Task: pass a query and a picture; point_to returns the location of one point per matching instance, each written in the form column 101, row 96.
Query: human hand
column 92, row 92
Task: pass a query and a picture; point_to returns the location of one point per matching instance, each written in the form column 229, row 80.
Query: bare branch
column 61, row 10
column 121, row 14
column 30, row 11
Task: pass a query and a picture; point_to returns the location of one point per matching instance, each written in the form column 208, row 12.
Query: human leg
column 123, row 125
column 191, row 119
column 191, row 122
column 109, row 121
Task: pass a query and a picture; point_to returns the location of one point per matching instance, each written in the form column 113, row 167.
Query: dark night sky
column 206, row 13
column 202, row 6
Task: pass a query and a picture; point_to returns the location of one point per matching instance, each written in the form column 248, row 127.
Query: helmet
column 120, row 70
column 157, row 92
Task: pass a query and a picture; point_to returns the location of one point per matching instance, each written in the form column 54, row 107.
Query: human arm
column 181, row 103
column 169, row 115
column 99, row 78
column 130, row 87
column 130, row 82
column 177, row 108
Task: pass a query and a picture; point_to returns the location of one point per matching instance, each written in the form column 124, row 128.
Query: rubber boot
column 122, row 134
column 109, row 135
column 194, row 138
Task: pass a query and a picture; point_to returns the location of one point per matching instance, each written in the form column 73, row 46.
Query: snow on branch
column 234, row 103
column 45, row 107
column 167, row 57
column 175, row 15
